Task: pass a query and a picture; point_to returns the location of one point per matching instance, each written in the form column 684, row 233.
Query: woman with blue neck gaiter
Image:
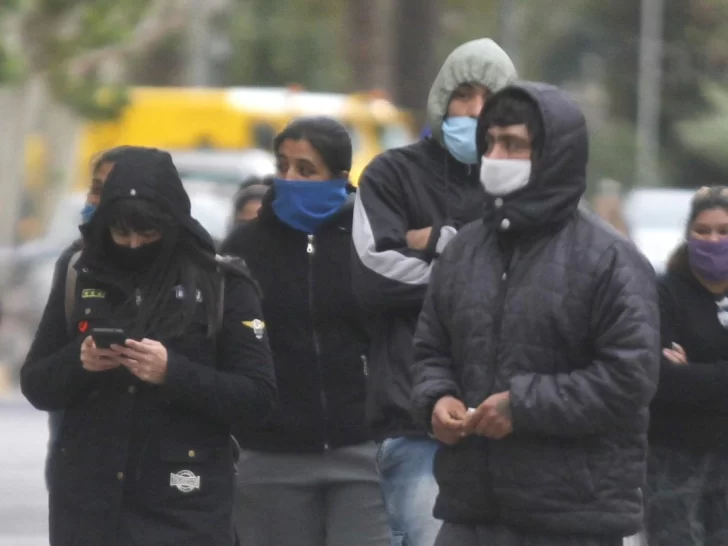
column 308, row 476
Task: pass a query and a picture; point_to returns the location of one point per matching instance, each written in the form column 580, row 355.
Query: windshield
column 658, row 209
column 393, row 135
column 233, row 176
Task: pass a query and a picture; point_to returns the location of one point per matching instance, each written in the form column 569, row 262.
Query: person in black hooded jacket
column 537, row 351
column 144, row 453
column 308, row 477
column 687, row 470
column 100, row 169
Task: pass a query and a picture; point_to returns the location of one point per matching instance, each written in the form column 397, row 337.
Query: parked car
column 656, row 220
column 227, row 168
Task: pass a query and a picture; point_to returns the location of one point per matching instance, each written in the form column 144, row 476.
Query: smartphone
column 105, row 337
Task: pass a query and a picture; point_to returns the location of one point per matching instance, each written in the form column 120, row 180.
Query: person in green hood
column 410, row 204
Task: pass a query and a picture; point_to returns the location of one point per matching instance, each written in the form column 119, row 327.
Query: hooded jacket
column 414, row 187
column 544, row 301
column 135, row 462
column 319, row 335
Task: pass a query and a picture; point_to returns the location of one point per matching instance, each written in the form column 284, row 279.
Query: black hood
column 148, row 173
column 558, row 176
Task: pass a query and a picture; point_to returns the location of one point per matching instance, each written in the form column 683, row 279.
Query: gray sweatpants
column 469, row 535
column 329, row 499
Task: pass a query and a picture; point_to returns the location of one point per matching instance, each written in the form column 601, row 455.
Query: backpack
column 70, row 297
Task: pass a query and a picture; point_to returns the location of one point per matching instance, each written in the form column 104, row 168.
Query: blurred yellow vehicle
column 239, row 118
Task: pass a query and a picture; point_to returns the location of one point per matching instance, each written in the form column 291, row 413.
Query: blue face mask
column 459, row 136
column 87, row 212
column 305, row 205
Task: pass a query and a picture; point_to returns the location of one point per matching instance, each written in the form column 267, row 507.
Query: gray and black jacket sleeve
column 387, row 274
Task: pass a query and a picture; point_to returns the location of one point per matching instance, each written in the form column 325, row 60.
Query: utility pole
column 207, row 46
column 509, row 26
column 649, row 94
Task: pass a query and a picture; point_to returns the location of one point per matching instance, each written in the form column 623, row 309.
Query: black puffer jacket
column 546, row 302
column 318, row 332
column 136, row 463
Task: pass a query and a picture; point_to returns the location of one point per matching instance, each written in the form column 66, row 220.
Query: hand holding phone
column 104, row 338
column 94, row 359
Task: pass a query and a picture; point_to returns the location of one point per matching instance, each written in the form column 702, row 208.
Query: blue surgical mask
column 306, row 205
column 459, row 136
column 87, row 212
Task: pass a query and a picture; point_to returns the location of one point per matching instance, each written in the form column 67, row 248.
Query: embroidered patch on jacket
column 257, row 325
column 93, row 293
column 185, row 481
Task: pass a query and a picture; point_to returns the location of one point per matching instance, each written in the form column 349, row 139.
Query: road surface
column 23, row 499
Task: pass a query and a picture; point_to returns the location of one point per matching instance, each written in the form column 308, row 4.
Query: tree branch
column 162, row 18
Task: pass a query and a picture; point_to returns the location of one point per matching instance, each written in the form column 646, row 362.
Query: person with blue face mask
column 308, row 476
column 411, row 202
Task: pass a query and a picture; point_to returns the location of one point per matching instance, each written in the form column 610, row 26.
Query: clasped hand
column 146, row 359
column 452, row 421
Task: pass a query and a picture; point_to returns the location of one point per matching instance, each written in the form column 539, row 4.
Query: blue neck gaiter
column 87, row 212
column 305, row 205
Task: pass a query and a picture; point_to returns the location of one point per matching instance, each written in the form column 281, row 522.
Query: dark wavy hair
column 327, row 136
column 511, row 107
column 706, row 198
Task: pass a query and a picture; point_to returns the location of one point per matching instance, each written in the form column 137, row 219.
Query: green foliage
column 56, row 33
column 278, row 42
column 707, row 134
column 88, row 98
column 612, row 153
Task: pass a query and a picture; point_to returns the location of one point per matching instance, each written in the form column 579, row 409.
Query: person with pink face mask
column 687, row 473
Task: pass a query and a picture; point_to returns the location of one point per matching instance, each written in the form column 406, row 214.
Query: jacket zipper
column 498, row 322
column 365, row 365
column 311, row 251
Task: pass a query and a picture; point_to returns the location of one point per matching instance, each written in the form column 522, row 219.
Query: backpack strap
column 220, row 302
column 70, row 298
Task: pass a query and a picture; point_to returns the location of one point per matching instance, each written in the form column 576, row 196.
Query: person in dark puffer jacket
column 544, row 321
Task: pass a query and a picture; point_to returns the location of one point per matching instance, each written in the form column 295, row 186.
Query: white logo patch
column 185, row 481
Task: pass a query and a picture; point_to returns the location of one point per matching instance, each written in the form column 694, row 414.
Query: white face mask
column 504, row 176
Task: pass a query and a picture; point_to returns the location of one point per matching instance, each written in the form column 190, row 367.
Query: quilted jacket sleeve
column 433, row 375
column 612, row 390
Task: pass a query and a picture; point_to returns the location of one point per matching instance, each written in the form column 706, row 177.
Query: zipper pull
column 310, row 248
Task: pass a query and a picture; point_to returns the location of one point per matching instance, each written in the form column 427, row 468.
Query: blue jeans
column 410, row 489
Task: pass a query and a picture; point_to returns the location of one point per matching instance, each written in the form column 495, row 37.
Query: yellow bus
column 239, row 118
